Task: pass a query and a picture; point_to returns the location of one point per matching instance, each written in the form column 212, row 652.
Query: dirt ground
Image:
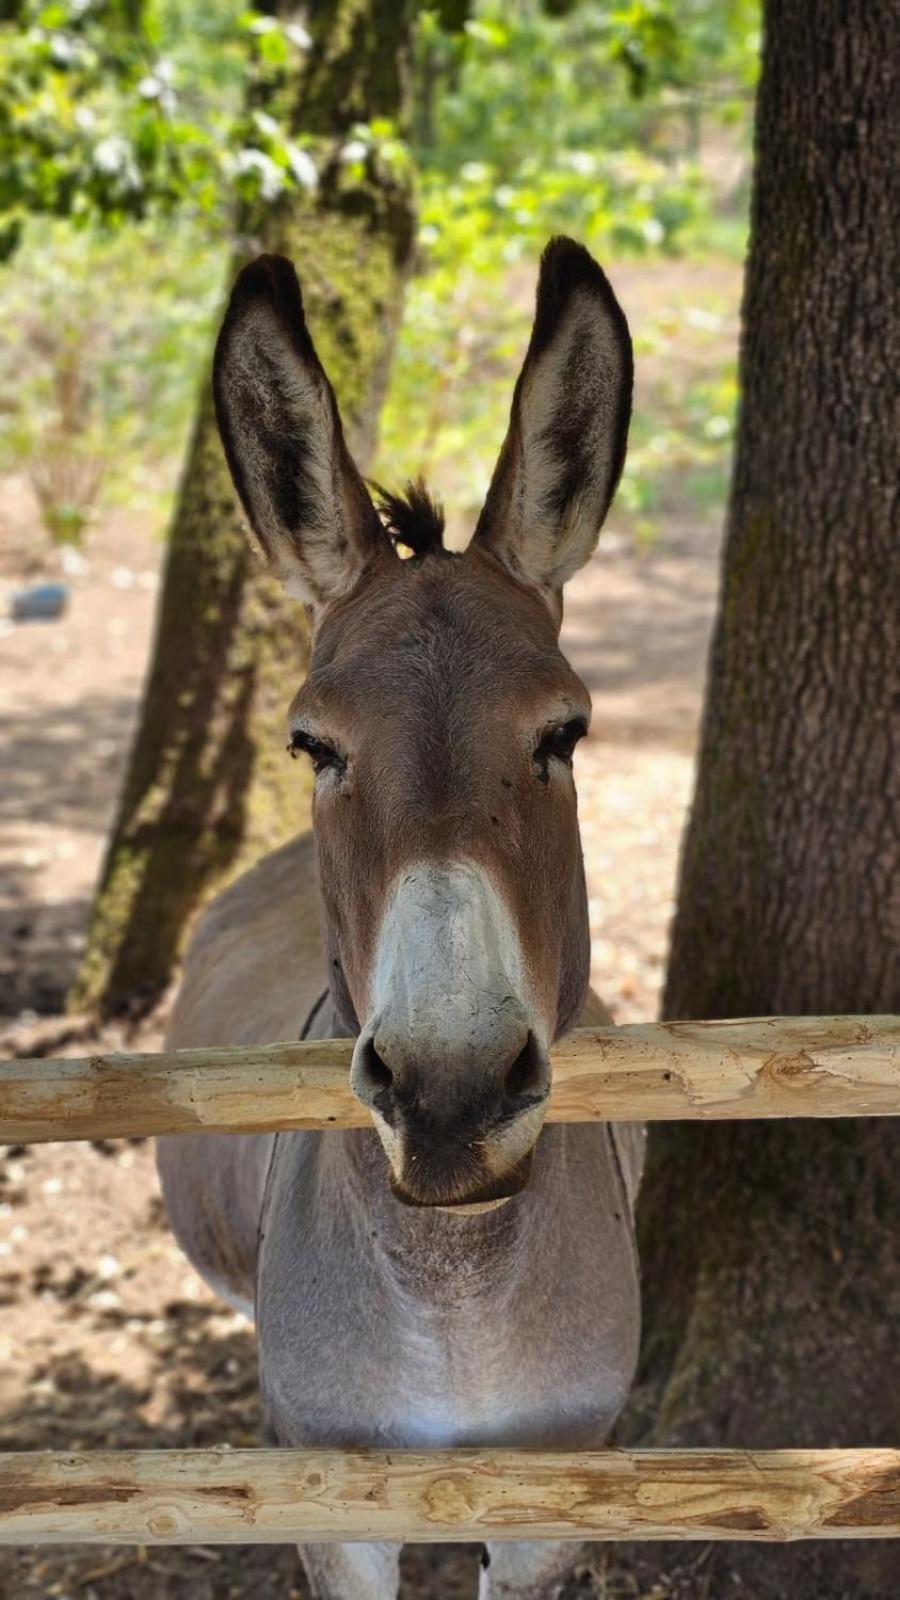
column 107, row 1338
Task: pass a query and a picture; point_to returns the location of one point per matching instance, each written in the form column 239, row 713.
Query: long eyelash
column 321, row 754
column 301, row 741
column 578, row 726
column 544, row 750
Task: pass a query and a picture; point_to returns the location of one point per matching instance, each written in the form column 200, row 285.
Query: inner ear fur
column 568, row 428
column 283, row 439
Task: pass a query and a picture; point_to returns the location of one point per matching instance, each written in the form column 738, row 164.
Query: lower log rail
column 282, row 1496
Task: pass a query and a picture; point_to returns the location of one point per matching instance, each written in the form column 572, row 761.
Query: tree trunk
column 772, row 1269
column 208, row 785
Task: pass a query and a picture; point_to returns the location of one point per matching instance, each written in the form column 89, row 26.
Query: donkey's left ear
column 568, row 428
column 278, row 418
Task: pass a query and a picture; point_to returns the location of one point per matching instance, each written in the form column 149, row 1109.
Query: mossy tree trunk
column 771, row 1259
column 208, row 785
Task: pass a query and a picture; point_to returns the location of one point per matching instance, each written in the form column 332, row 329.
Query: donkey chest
column 428, row 1376
column 467, row 1349
column 476, row 1378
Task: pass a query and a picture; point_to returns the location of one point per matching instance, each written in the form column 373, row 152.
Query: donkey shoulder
column 255, row 965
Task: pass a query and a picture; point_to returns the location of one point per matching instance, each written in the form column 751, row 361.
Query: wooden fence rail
column 278, row 1496
column 773, row 1067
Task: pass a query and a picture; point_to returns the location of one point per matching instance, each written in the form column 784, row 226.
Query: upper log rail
column 677, row 1071
column 278, row 1496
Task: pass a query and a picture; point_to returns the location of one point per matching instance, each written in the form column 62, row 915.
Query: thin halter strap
column 311, row 1017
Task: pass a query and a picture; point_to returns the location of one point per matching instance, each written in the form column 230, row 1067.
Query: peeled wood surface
column 769, row 1067
column 276, row 1496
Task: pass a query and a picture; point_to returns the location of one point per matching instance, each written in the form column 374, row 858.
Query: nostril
column 375, row 1072
column 527, row 1075
column 373, row 1082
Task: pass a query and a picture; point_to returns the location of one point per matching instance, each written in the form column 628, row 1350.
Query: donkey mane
column 414, row 519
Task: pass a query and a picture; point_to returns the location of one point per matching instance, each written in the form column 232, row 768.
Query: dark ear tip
column 567, row 265
column 269, row 278
column 270, row 281
column 564, row 254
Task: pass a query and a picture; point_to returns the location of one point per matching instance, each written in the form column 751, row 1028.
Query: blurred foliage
column 98, row 386
column 115, row 110
column 130, row 130
column 597, row 121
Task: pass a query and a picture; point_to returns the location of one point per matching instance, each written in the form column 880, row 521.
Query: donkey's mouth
column 479, row 1162
column 433, row 1184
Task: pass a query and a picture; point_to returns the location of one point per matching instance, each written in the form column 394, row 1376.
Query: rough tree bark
column 208, row 786
column 771, row 1259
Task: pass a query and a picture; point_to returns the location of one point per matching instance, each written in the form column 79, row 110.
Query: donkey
column 455, row 1274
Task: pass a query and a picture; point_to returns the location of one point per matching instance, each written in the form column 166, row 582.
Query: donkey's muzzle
column 449, row 1187
column 456, row 1129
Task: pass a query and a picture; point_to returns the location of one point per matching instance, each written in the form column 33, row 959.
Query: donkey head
column 440, row 717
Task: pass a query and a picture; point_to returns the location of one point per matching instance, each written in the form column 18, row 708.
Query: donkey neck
column 441, row 1256
column 383, row 1325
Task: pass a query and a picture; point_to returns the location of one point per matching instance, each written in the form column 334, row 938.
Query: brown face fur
column 439, row 712
column 435, row 681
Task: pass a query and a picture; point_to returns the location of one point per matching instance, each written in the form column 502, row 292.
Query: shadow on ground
column 56, row 777
column 211, row 1394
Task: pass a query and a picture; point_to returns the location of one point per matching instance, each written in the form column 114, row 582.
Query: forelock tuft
column 414, row 518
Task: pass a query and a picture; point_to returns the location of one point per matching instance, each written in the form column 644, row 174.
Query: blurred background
column 146, row 146
column 130, row 145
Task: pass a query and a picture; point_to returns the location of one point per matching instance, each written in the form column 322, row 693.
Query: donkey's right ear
column 278, row 418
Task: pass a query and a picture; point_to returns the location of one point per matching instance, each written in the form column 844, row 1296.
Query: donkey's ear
column 568, row 428
column 279, row 422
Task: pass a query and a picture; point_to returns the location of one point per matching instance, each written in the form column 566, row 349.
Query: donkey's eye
column 322, row 755
column 560, row 741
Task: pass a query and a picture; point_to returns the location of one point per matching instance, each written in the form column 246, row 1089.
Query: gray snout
column 451, row 1062
column 394, row 1071
column 458, row 1123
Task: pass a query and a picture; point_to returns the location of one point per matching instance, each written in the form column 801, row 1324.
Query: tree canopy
column 126, row 133
column 111, row 110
